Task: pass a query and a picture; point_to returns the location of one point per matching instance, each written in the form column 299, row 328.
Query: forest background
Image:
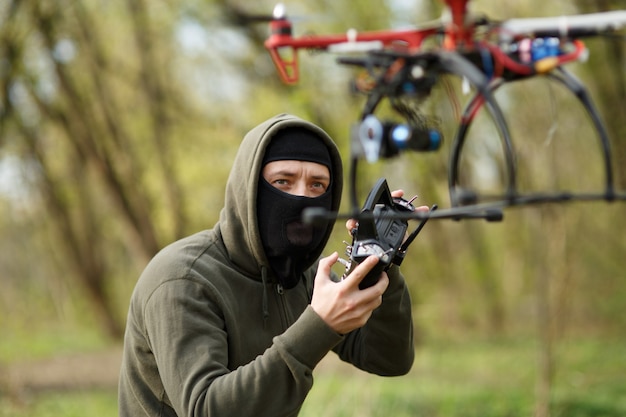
column 119, row 121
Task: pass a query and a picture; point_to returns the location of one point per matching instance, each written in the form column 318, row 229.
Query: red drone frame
column 485, row 53
column 458, row 33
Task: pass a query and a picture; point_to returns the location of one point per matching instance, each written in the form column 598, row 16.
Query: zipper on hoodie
column 285, row 314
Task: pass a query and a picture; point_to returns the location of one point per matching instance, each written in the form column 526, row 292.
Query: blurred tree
column 605, row 71
column 126, row 115
column 89, row 121
column 92, row 95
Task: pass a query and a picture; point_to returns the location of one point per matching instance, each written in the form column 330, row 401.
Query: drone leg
column 579, row 90
column 458, row 65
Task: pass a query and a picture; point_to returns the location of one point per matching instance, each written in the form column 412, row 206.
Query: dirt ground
column 87, row 371
column 67, row 372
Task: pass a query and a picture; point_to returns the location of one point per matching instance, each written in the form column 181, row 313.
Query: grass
column 24, row 340
column 478, row 379
column 451, row 379
column 96, row 403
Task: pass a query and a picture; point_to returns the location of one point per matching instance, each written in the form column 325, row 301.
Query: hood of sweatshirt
column 238, row 219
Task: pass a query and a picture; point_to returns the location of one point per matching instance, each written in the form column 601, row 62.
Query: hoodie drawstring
column 266, row 311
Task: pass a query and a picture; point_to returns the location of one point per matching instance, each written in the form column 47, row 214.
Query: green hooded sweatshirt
column 211, row 333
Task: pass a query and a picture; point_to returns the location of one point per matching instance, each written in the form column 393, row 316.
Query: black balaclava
column 287, row 241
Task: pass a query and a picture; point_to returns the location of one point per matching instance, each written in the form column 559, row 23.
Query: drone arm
column 565, row 26
column 281, row 39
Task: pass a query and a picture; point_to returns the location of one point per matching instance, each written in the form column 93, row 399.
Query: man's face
column 301, row 178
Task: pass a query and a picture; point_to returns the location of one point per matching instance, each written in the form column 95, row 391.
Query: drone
column 485, row 54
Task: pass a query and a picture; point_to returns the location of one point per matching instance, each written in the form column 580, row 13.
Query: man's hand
column 352, row 223
column 342, row 305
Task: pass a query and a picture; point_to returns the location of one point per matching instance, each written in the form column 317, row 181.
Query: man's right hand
column 342, row 305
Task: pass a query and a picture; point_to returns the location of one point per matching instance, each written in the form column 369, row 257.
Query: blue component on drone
column 419, row 139
column 545, row 47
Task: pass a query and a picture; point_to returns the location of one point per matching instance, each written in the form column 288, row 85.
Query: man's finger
column 325, row 264
column 397, row 193
column 361, row 271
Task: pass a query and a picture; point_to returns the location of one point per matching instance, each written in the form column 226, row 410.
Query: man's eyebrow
column 283, row 171
column 321, row 177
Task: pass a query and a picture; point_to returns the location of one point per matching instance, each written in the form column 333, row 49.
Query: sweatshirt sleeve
column 384, row 346
column 190, row 345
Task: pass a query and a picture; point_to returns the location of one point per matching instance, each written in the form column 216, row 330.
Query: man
column 233, row 320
